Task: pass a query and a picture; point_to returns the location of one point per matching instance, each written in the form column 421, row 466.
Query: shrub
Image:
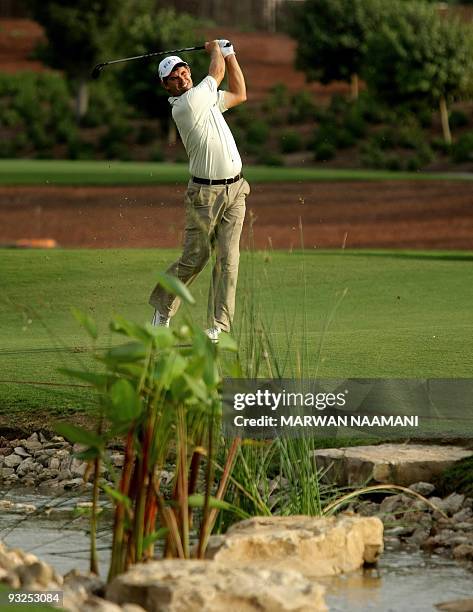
column 157, row 154
column 302, row 107
column 462, row 150
column 324, row 151
column 39, row 105
column 458, row 119
column 257, row 132
column 354, row 123
column 290, row 141
column 114, row 140
column 278, row 97
column 269, row 158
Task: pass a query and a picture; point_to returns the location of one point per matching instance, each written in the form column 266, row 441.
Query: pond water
column 402, row 581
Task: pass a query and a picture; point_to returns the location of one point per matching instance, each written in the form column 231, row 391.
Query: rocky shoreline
column 444, row 526
column 435, row 525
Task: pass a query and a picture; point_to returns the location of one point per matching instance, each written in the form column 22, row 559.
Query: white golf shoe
column 213, row 333
column 160, row 320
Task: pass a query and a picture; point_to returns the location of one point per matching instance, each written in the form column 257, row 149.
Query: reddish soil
column 370, row 214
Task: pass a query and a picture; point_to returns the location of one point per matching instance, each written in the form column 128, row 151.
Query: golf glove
column 226, row 51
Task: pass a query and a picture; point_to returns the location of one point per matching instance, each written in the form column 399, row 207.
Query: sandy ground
column 388, row 214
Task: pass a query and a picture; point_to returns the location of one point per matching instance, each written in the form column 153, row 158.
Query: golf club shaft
column 136, row 57
column 96, row 71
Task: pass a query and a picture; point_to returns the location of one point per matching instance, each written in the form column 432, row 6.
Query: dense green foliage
column 416, row 55
column 331, row 36
column 145, row 32
column 76, row 33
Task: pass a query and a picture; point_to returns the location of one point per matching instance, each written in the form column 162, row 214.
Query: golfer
column 215, row 196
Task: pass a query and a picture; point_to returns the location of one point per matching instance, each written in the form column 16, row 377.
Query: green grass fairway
column 330, row 313
column 62, row 172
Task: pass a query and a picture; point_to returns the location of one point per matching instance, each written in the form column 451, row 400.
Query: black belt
column 202, row 181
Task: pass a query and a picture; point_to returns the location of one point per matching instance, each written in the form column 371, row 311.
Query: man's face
column 179, row 81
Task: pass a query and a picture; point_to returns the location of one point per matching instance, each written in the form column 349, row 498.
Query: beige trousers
column 214, row 220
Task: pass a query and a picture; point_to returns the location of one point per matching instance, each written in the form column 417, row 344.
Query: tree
column 418, row 56
column 149, row 31
column 77, row 35
column 331, row 37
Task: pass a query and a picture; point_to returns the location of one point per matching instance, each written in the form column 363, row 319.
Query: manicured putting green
column 327, row 313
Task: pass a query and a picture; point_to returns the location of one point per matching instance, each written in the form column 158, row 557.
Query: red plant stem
column 119, row 558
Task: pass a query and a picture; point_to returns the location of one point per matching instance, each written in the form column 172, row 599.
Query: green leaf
column 79, row 435
column 168, row 368
column 198, row 501
column 197, row 387
column 88, row 454
column 156, row 535
column 122, row 326
column 86, row 321
column 98, row 380
column 163, row 336
column 173, row 285
column 117, row 495
column 131, row 351
column 227, row 343
column 126, row 401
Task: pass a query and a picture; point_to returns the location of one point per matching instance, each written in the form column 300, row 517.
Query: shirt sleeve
column 204, row 95
column 221, row 101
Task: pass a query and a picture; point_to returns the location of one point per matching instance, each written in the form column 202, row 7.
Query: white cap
column 166, row 66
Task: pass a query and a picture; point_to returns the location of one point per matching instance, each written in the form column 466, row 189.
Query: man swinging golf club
column 215, row 196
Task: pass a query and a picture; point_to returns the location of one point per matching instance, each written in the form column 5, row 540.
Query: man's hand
column 212, row 46
column 226, row 50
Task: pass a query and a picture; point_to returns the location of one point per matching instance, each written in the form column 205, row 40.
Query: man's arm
column 217, row 63
column 236, row 93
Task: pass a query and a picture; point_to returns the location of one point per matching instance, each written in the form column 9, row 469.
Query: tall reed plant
column 159, row 394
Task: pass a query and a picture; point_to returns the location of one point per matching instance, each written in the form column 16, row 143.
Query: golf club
column 98, row 68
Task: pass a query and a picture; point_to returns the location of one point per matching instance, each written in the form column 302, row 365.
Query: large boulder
column 401, row 464
column 203, row 586
column 310, row 545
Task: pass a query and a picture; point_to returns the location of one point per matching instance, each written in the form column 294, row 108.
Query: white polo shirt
column 209, row 143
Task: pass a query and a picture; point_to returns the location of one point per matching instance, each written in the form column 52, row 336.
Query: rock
column 64, row 475
column 54, row 463
column 27, row 466
column 6, row 472
column 395, row 504
column 78, row 468
column 462, row 515
column 91, row 583
column 12, row 461
column 453, row 503
column 38, row 573
column 312, row 546
column 132, row 608
column 458, row 605
column 20, row 451
column 96, row 604
column 423, row 488
column 419, row 536
column 464, row 526
column 117, row 459
column 203, row 586
column 463, row 551
column 33, row 446
column 402, row 464
column 75, row 483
